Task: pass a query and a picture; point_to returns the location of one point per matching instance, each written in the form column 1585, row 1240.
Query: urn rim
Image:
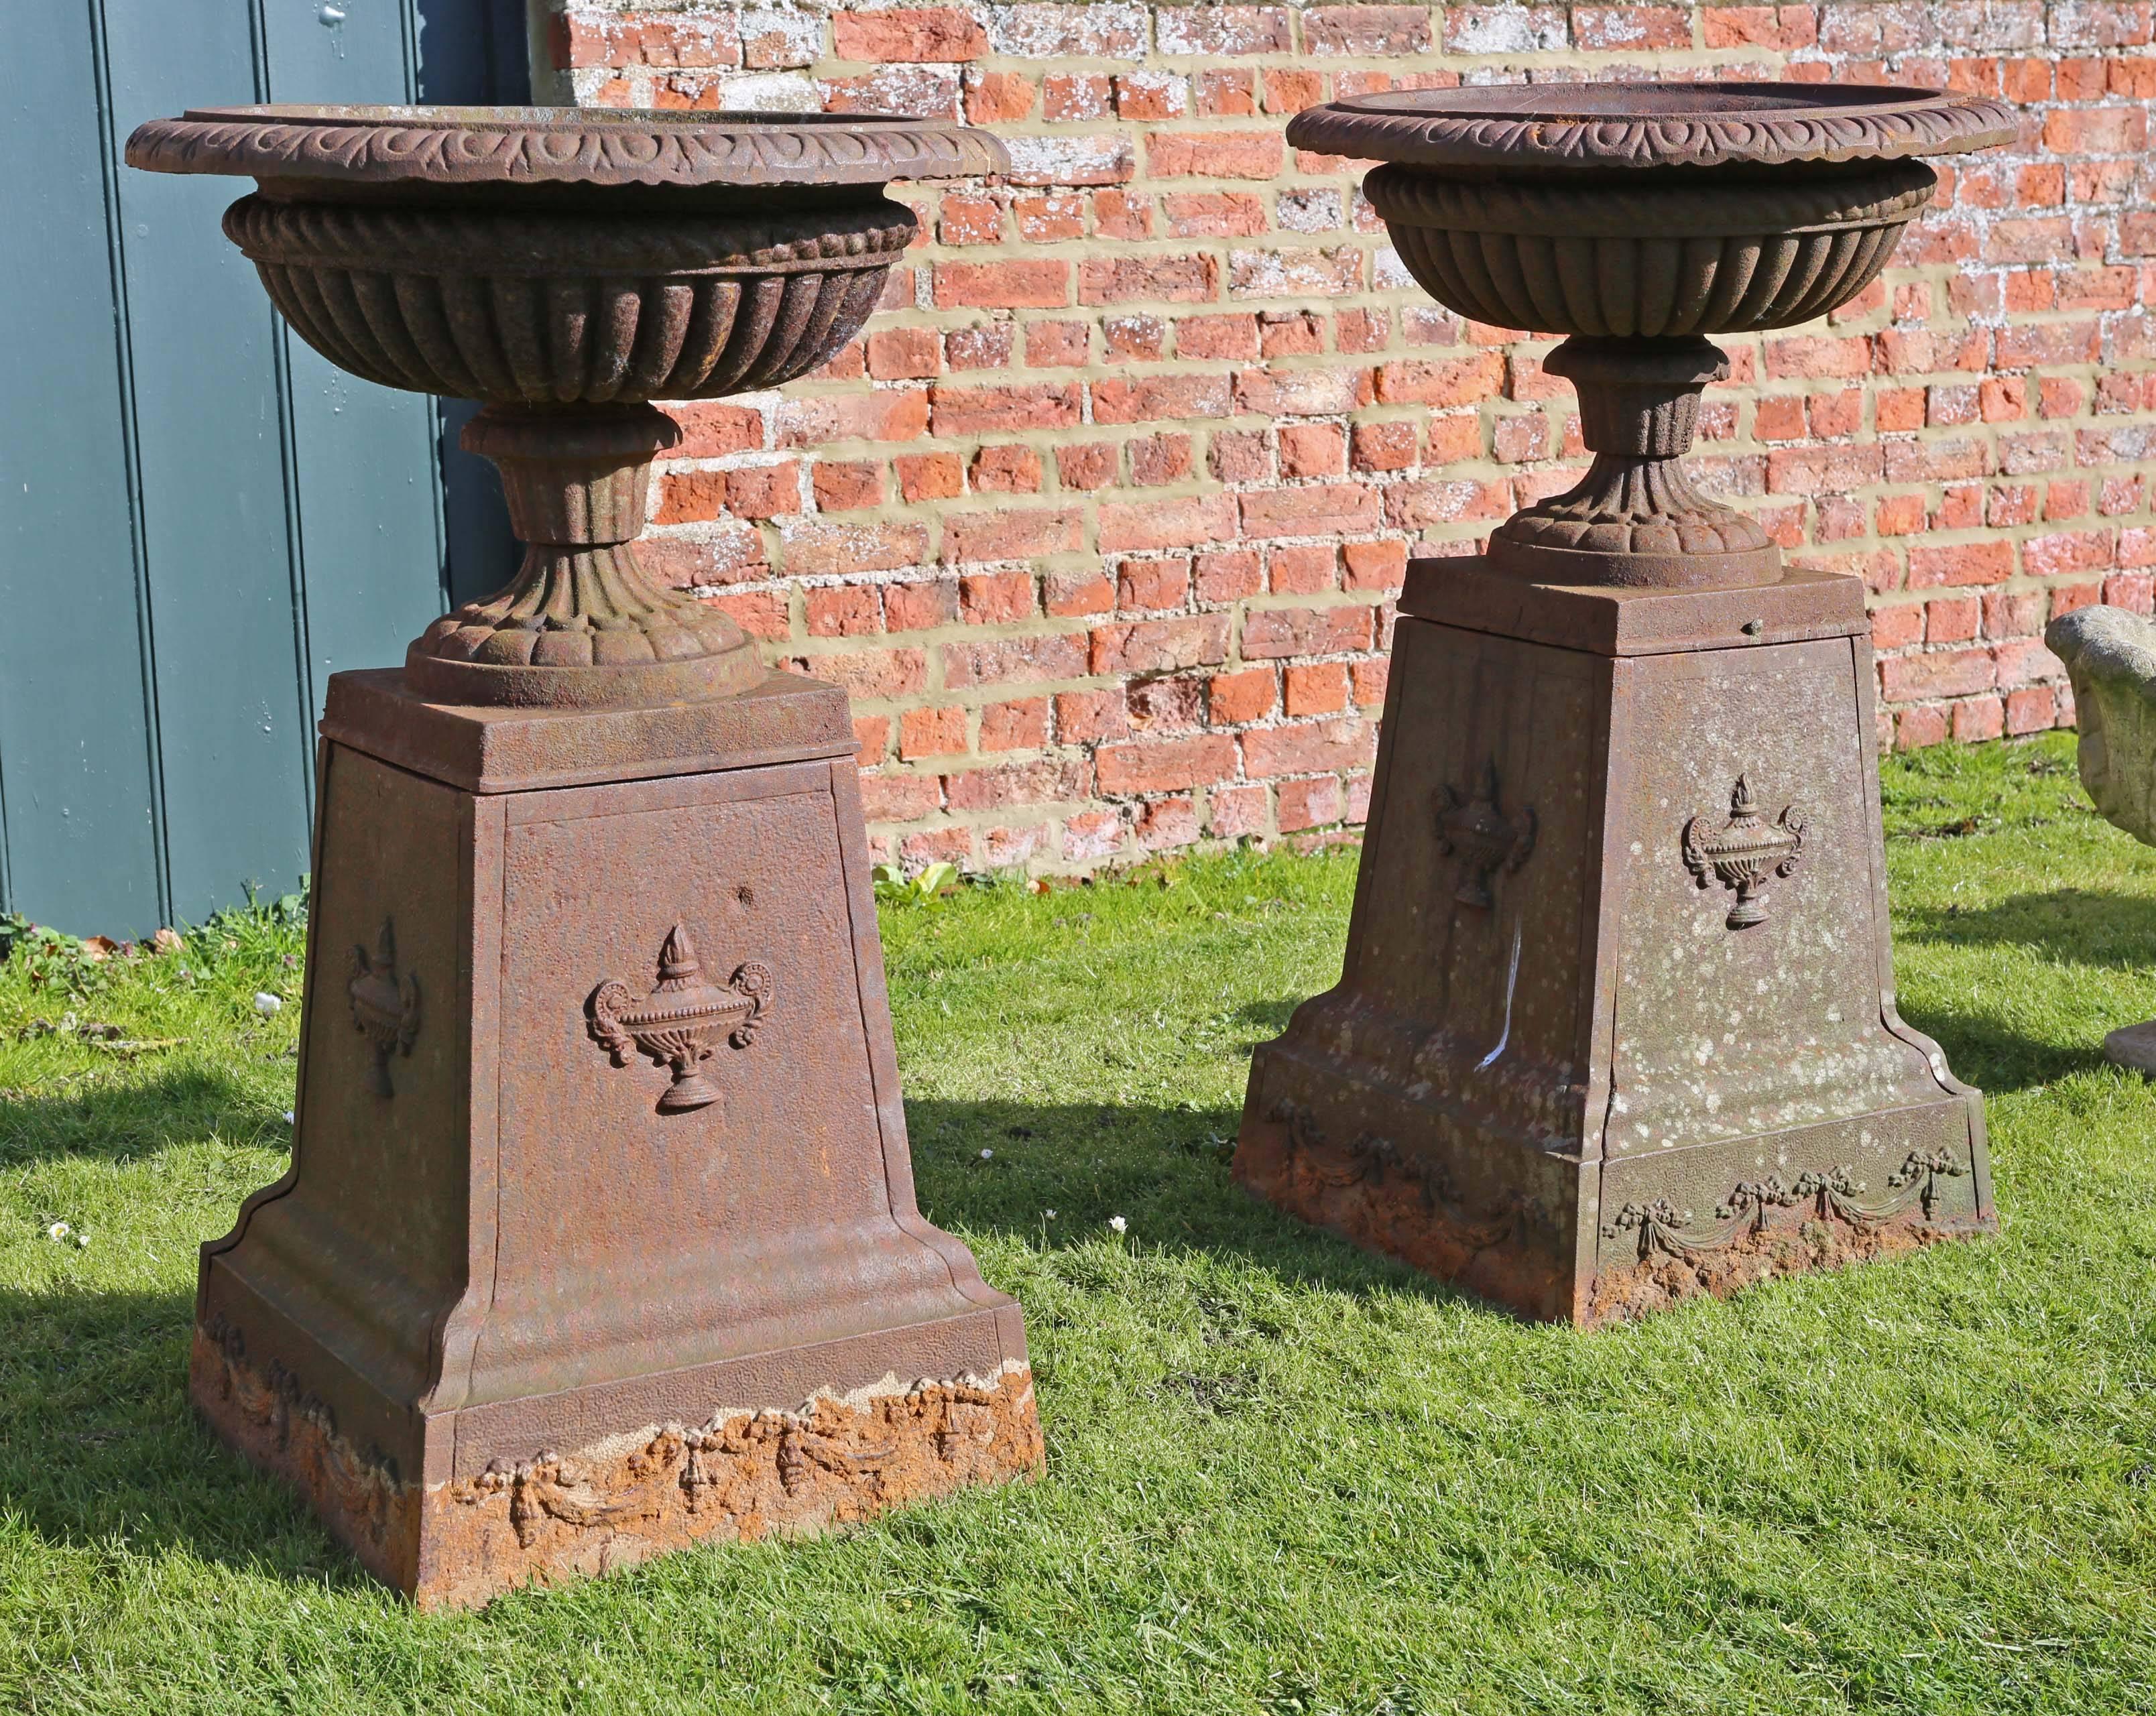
column 445, row 145
column 1653, row 123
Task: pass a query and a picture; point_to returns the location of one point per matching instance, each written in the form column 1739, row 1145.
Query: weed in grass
column 1284, row 1476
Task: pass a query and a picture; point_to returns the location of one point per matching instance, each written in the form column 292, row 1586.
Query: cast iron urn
column 1576, row 1060
column 522, row 1308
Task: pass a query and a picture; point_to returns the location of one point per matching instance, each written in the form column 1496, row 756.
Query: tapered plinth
column 599, row 1237
column 1616, row 1025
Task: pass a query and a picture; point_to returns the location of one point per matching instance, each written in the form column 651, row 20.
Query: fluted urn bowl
column 1638, row 218
column 567, row 267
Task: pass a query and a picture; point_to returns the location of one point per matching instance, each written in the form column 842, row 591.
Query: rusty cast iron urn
column 1617, row 1023
column 599, row 1237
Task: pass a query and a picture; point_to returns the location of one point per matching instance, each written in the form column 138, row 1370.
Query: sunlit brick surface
column 1101, row 521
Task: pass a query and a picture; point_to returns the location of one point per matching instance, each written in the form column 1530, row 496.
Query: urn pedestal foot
column 1616, row 1025
column 599, row 1237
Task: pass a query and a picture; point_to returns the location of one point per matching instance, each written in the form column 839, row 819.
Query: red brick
column 1043, row 781
column 1951, row 673
column 1309, row 804
column 1319, row 747
column 843, row 487
column 1153, row 585
column 1243, row 696
column 848, row 611
column 1368, row 679
column 1074, row 95
column 1130, row 279
column 1165, row 765
column 1228, row 577
column 1462, row 382
column 1215, row 155
column 1216, row 337
column 1084, row 716
column 1320, row 688
column 1630, row 28
column 1365, row 31
column 2031, row 708
column 899, row 798
column 1374, row 565
column 997, row 97
column 1327, row 509
column 931, row 33
column 1067, row 595
column 1008, row 469
column 1211, row 31
column 874, row 672
column 903, row 354
column 932, row 732
column 712, row 430
column 1183, row 522
column 1301, row 569
column 1088, row 465
column 1986, row 562
column 1239, row 456
column 1151, row 398
column 1214, row 214
column 1158, row 460
column 985, row 345
column 1269, row 633
column 929, row 476
column 1160, row 646
column 987, row 661
column 996, row 599
column 887, row 414
column 919, row 607
column 1057, row 345
column 967, row 220
column 976, row 411
column 1033, row 283
column 1011, row 534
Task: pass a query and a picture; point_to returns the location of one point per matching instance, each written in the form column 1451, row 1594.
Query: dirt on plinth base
column 739, row 1476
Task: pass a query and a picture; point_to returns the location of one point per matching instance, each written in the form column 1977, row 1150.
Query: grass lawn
column 1282, row 1476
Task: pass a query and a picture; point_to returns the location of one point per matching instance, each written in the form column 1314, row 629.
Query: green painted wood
column 232, row 718
column 368, row 494
column 78, row 799
column 225, row 517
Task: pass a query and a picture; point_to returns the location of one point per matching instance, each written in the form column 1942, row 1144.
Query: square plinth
column 599, row 1237
column 1616, row 1022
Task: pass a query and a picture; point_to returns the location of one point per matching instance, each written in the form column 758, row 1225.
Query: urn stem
column 583, row 622
column 1635, row 519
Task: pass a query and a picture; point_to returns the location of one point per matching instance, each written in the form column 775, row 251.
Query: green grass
column 1282, row 1476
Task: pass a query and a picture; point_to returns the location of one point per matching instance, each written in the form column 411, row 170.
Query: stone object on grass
column 2110, row 655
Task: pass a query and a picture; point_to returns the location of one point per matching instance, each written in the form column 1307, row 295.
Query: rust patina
column 1617, row 1023
column 599, row 1237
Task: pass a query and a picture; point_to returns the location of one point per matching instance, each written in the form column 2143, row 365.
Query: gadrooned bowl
column 1649, row 210
column 557, row 256
column 523, row 306
column 1725, row 254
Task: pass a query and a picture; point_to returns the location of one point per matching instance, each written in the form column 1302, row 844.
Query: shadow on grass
column 1164, row 1170
column 98, row 1445
column 2069, row 926
column 115, row 1119
column 1996, row 1057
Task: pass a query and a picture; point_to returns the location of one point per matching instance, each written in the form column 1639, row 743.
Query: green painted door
column 200, row 519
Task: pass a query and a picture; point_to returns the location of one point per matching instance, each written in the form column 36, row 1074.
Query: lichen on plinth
column 1616, row 1024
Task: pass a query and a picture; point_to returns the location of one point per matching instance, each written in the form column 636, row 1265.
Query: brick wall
column 1100, row 523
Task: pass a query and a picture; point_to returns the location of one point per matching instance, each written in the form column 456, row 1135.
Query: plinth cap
column 1599, row 126
column 541, row 145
